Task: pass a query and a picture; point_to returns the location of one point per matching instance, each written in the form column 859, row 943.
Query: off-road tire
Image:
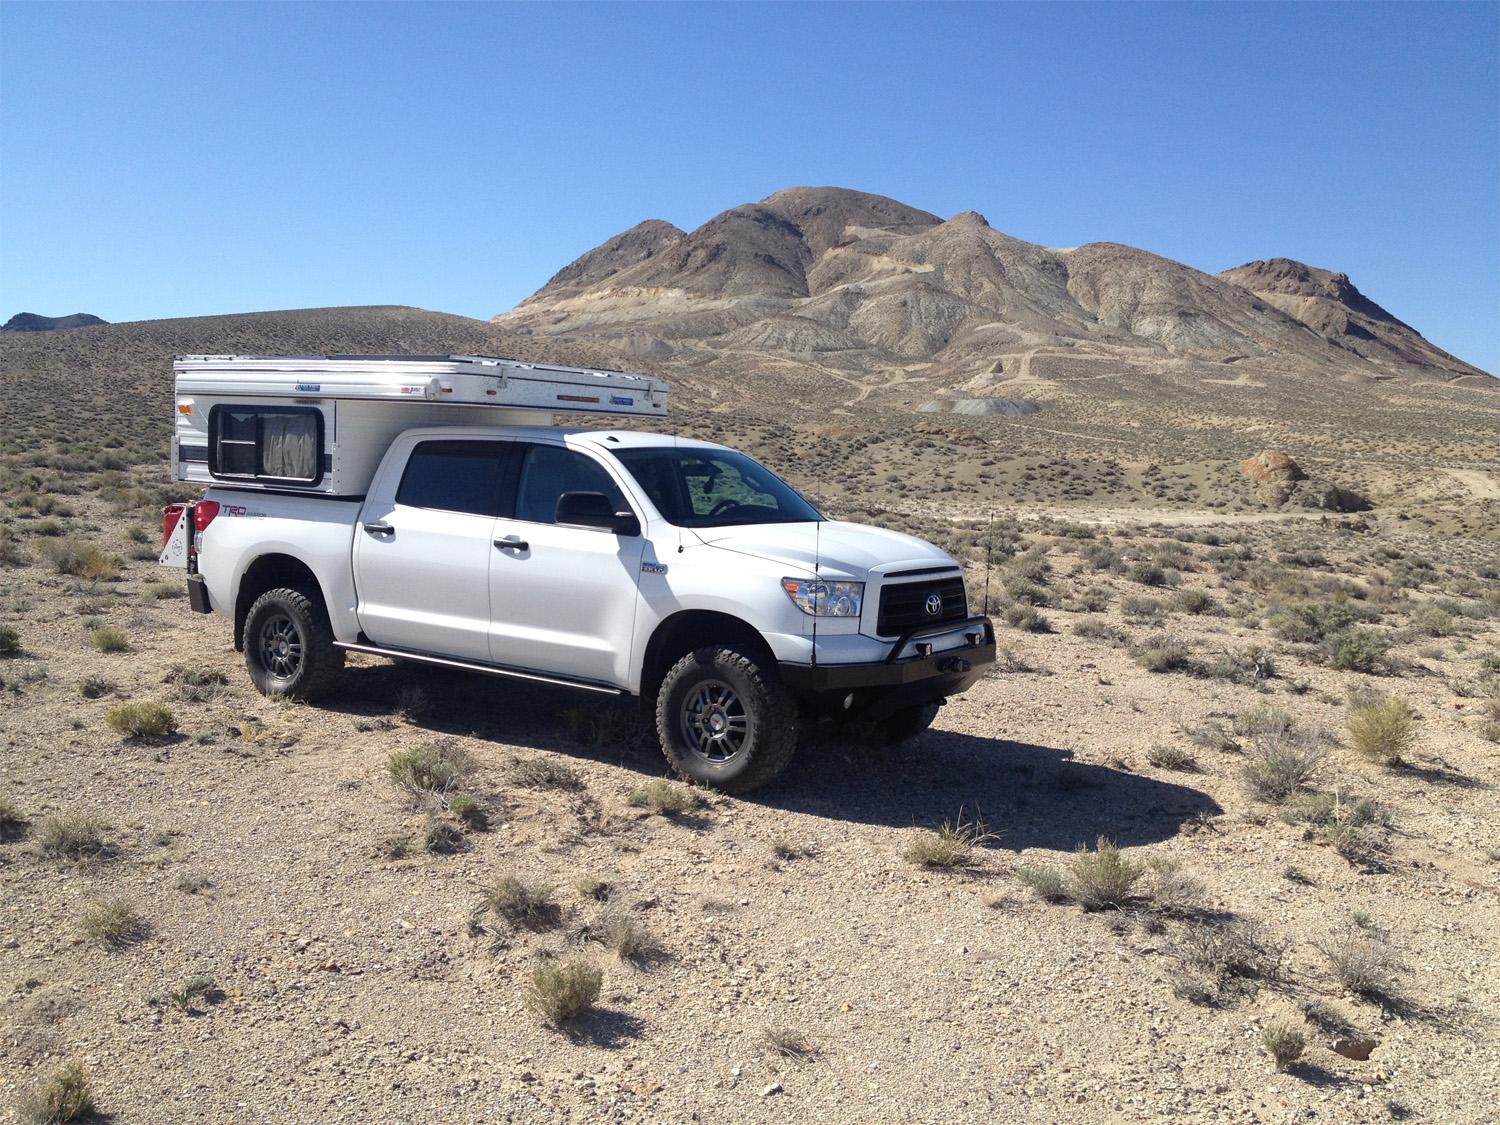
column 770, row 732
column 298, row 614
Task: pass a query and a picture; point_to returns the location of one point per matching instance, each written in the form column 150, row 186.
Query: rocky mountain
column 1331, row 306
column 34, row 322
column 830, row 284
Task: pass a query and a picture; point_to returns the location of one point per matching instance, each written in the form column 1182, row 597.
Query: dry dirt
column 353, row 986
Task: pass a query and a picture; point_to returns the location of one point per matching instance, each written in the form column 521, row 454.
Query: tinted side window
column 454, row 476
column 551, row 470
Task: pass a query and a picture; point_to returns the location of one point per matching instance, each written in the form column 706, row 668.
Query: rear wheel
column 289, row 648
column 725, row 720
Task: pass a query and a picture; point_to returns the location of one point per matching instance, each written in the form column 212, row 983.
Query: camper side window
column 273, row 443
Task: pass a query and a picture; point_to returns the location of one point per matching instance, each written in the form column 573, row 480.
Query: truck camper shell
column 321, row 424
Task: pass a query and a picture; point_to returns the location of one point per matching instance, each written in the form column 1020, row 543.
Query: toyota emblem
column 934, row 605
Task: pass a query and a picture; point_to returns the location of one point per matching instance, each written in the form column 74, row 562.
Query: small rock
column 773, row 1088
column 1356, row 1049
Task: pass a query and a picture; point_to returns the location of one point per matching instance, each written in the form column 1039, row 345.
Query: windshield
column 713, row 487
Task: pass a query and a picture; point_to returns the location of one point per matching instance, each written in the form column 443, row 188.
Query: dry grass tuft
column 788, row 1043
column 522, row 903
column 109, row 638
column 951, row 845
column 113, row 924
column 63, row 1098
column 1382, row 730
column 1363, row 963
column 1103, row 879
column 664, row 798
column 563, row 990
column 13, row 822
column 146, row 722
column 1280, row 765
column 544, row 773
column 427, row 774
column 1284, row 1042
column 1047, row 882
column 625, row 936
column 75, row 838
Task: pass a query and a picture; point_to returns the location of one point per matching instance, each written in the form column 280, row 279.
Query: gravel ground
column 353, row 986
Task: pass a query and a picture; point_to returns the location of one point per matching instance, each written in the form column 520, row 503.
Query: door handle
column 512, row 543
column 378, row 529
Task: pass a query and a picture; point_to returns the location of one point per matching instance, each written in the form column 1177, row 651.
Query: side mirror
column 594, row 509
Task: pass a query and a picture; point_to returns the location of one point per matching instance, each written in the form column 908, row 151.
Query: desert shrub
column 787, row 850
column 1047, row 882
column 1138, row 607
column 1163, row 654
column 1147, row 574
column 1382, row 731
column 1284, row 1042
column 597, row 726
column 1093, row 599
column 92, row 687
column 1194, row 601
column 522, row 903
column 563, row 990
column 1027, row 592
column 1433, row 620
column 80, row 560
column 1096, row 628
column 1173, row 892
column 63, row 1098
column 113, row 924
column 1104, row 878
column 1251, row 666
column 1277, row 766
column 1356, row 649
column 663, row 798
column 195, row 685
column 625, row 935
column 186, row 997
column 442, row 837
column 109, row 638
column 950, row 845
column 429, row 773
column 1363, row 964
column 468, row 809
column 1164, row 755
column 1027, row 618
column 143, row 721
column 74, row 837
column 1229, row 954
column 544, row 773
column 10, row 640
column 1263, row 718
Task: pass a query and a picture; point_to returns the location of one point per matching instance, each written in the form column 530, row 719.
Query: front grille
column 903, row 605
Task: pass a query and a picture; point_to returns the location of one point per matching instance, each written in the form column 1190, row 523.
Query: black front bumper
column 915, row 679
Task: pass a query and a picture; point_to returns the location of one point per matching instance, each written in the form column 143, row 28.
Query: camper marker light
column 817, row 598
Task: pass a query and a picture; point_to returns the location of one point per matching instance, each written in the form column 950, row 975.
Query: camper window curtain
column 289, row 446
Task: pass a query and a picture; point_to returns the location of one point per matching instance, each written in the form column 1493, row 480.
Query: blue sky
column 177, row 159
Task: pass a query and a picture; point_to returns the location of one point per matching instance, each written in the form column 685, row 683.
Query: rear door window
column 454, row 476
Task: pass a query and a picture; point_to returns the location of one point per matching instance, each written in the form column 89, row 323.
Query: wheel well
column 269, row 572
column 683, row 632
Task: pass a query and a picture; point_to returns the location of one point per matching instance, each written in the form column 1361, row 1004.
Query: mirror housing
column 594, row 509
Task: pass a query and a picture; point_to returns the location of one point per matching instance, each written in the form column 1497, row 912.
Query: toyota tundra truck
column 618, row 562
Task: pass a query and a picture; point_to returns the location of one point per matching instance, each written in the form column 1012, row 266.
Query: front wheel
column 725, row 720
column 289, row 647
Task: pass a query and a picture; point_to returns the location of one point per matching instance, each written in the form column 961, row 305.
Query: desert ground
column 1286, row 720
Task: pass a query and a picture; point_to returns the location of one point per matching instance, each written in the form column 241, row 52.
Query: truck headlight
column 817, row 598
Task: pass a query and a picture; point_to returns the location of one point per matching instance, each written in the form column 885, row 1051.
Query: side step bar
column 470, row 666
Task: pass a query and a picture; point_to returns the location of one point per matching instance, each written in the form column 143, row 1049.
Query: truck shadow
column 1030, row 795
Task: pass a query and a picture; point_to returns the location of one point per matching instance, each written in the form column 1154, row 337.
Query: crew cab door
column 562, row 599
column 423, row 547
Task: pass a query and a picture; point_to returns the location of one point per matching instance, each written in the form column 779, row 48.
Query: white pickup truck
column 629, row 563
